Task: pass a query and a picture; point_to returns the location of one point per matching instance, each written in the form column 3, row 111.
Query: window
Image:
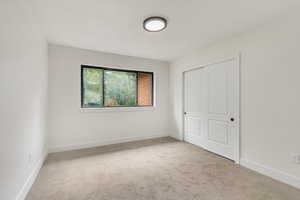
column 105, row 87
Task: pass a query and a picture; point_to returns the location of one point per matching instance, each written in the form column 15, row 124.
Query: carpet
column 155, row 169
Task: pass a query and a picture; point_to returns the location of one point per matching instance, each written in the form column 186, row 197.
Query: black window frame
column 103, row 96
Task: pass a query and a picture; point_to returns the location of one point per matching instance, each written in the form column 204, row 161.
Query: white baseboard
column 176, row 135
column 271, row 172
column 31, row 178
column 102, row 143
column 175, row 138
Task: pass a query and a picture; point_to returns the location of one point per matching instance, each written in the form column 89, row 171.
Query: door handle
column 184, row 113
column 232, row 119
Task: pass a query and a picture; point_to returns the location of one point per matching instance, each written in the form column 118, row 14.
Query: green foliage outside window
column 92, row 87
column 120, row 88
column 108, row 88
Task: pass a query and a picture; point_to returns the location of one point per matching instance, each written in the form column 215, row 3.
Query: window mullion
column 82, row 85
column 103, row 96
column 137, row 89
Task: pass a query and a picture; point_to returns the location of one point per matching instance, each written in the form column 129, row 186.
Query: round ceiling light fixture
column 155, row 24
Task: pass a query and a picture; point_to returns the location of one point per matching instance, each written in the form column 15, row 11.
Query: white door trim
column 237, row 155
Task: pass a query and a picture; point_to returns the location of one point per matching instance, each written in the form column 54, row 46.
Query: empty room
column 149, row 100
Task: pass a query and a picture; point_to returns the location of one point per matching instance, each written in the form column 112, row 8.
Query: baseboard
column 273, row 173
column 176, row 136
column 102, row 143
column 31, row 178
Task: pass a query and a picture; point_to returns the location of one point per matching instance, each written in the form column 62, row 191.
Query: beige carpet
column 159, row 169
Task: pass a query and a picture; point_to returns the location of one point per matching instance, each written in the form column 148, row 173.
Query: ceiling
column 115, row 26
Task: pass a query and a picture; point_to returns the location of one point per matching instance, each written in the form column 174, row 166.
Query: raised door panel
column 218, row 131
column 194, row 126
column 193, row 92
column 217, row 89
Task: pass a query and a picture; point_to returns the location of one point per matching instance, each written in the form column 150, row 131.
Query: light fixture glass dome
column 155, row 24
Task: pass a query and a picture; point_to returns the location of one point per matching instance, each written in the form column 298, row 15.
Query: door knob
column 185, row 113
column 232, row 119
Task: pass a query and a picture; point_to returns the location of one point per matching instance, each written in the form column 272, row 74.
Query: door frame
column 237, row 58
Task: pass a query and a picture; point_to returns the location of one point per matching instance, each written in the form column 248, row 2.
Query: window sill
column 117, row 109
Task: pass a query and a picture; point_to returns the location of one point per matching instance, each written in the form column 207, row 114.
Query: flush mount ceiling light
column 155, row 24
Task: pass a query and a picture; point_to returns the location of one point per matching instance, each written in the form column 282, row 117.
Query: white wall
column 270, row 85
column 69, row 127
column 23, row 86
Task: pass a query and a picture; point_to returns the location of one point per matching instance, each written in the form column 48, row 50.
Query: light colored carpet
column 158, row 169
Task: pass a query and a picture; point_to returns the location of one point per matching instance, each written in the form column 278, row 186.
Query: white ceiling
column 116, row 25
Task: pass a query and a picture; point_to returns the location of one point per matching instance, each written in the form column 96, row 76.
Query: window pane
column 92, row 87
column 145, row 89
column 120, row 88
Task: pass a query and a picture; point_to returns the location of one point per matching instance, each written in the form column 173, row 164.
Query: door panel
column 218, row 131
column 193, row 83
column 211, row 100
column 194, row 125
column 217, row 89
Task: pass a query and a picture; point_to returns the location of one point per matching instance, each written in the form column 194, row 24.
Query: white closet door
column 211, row 108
